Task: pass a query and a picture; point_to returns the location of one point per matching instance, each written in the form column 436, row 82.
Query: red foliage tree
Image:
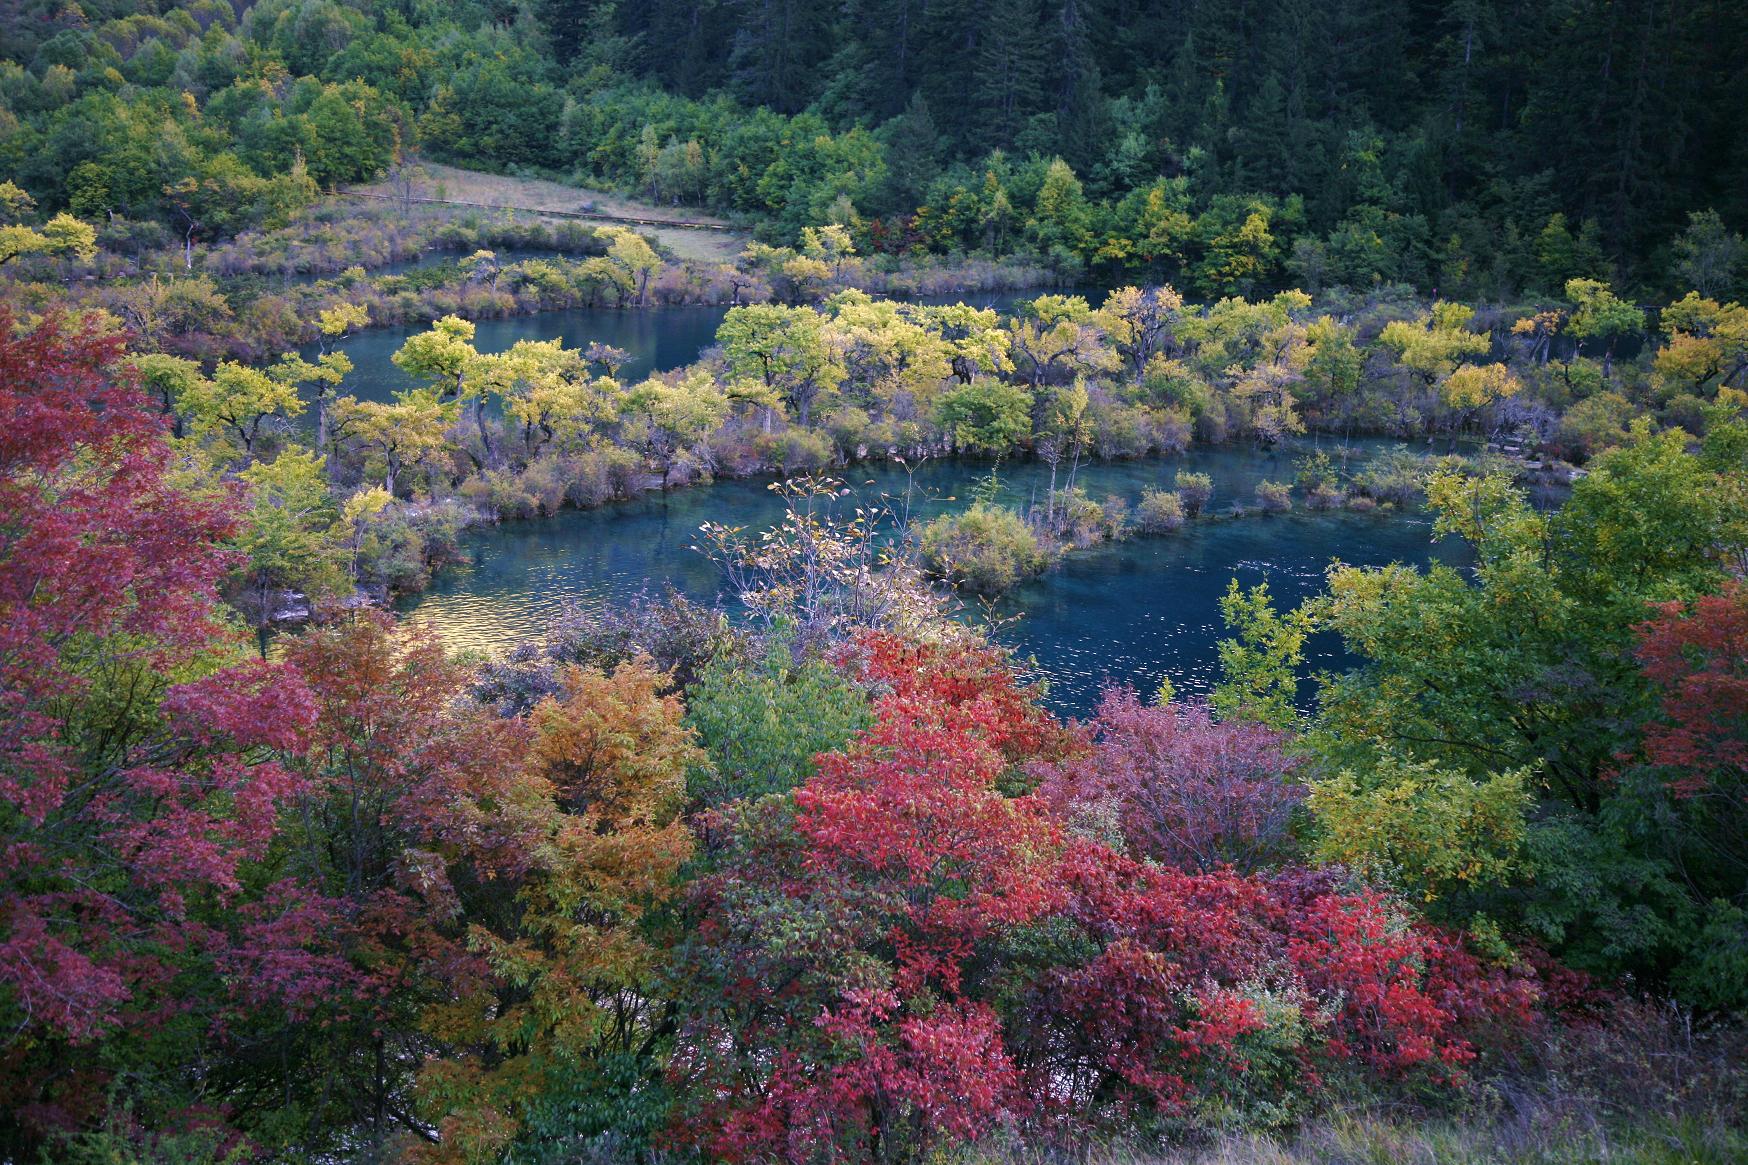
column 1183, row 789
column 974, row 683
column 900, row 954
column 892, row 872
column 416, row 820
column 1697, row 661
column 1405, row 994
column 1204, row 986
column 1696, row 750
column 1145, row 1010
column 136, row 770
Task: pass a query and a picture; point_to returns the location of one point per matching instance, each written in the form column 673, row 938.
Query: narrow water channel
column 1135, row 612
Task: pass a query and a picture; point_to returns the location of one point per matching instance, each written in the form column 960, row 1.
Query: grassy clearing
column 537, row 194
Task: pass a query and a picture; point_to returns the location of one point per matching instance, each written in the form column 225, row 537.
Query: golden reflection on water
column 489, row 625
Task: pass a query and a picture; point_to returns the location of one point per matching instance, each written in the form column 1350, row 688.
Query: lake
column 1135, row 612
column 658, row 339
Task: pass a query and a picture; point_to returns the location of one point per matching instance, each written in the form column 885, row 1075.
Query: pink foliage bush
column 1183, row 789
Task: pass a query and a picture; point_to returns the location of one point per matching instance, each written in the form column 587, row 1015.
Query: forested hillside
column 1418, row 122
column 1482, row 149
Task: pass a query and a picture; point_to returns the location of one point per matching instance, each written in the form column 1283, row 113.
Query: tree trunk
column 485, row 436
column 322, row 432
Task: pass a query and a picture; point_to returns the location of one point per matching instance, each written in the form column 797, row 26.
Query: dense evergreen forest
column 1479, row 149
column 1444, row 862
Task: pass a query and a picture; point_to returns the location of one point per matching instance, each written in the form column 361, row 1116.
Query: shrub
column 1276, row 497
column 1172, row 430
column 1315, row 469
column 398, row 549
column 904, row 960
column 1121, row 430
column 1426, row 830
column 987, row 549
column 735, row 448
column 1324, row 497
column 1595, row 424
column 1397, row 477
column 600, row 475
column 762, row 722
column 1078, row 518
column 544, row 481
column 795, row 450
column 1175, row 385
column 504, row 493
column 1160, row 511
column 1186, row 790
column 1116, row 518
column 1195, row 490
column 852, row 429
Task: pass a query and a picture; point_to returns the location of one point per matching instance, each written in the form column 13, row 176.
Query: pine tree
column 1009, row 81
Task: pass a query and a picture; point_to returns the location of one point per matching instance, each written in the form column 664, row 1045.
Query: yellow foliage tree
column 573, row 995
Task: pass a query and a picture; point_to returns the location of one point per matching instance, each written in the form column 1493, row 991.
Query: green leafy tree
column 1429, row 831
column 1335, row 371
column 403, row 433
column 1600, row 315
column 548, row 391
column 1709, row 256
column 61, row 235
column 1527, row 665
column 976, row 341
column 985, row 416
column 763, row 721
column 785, row 350
column 1239, row 247
column 1061, row 221
column 288, row 537
column 1461, row 693
column 1259, row 667
column 445, row 359
column 1562, row 256
column 441, row 357
column 169, row 380
column 635, row 259
column 677, row 413
column 352, row 134
column 241, row 402
column 321, row 379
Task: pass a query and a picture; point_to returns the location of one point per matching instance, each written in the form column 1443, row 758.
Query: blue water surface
column 1135, row 612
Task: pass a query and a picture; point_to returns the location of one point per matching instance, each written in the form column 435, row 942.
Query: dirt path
column 693, row 235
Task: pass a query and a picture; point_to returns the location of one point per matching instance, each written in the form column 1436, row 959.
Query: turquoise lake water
column 1131, row 612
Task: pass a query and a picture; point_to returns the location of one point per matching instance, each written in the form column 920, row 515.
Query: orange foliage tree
column 556, row 1042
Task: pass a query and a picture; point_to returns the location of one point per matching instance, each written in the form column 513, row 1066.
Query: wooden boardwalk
column 587, row 215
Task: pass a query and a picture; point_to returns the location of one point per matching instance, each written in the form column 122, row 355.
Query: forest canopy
column 1477, row 148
